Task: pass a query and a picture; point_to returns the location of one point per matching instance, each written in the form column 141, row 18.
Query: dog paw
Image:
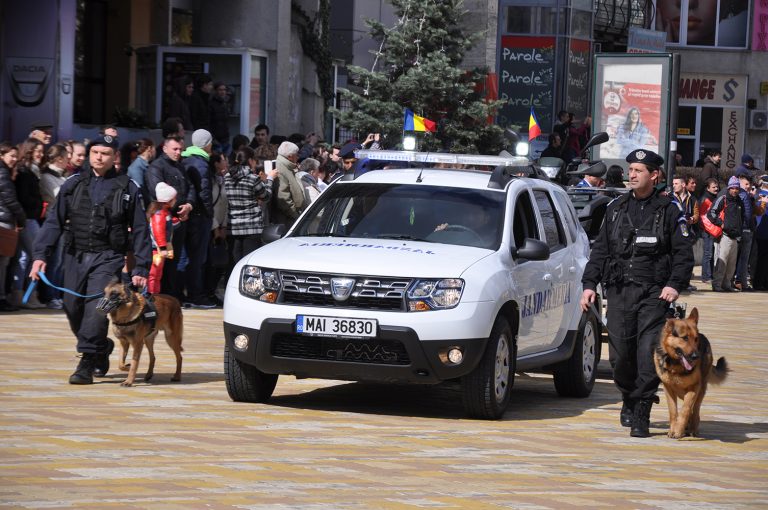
column 126, row 384
column 176, row 378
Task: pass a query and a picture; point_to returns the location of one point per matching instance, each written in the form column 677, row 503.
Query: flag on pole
column 533, row 126
column 415, row 123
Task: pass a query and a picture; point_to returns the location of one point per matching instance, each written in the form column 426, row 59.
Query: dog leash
column 45, row 280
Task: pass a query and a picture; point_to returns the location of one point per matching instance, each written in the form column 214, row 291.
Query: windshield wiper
column 403, row 237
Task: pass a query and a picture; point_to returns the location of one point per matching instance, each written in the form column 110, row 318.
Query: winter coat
column 218, row 109
column 244, row 190
column 733, row 218
column 11, row 211
column 199, row 175
column 290, row 193
column 164, row 169
column 28, row 192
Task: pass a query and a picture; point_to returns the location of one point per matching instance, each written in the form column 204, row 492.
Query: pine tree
column 417, row 67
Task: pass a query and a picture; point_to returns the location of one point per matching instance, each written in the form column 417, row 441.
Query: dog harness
column 148, row 314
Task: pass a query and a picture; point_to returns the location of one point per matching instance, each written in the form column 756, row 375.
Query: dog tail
column 719, row 372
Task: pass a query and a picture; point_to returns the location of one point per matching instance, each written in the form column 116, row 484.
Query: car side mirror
column 273, row 232
column 532, row 249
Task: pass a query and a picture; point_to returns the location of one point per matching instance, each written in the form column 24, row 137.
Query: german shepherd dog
column 683, row 361
column 134, row 323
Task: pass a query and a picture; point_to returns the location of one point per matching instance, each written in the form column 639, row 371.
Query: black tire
column 487, row 389
column 575, row 377
column 246, row 383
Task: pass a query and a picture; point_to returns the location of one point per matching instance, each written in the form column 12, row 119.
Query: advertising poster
column 631, row 106
column 526, row 79
column 705, row 23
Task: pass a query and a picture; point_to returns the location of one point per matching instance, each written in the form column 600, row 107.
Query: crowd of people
column 206, row 202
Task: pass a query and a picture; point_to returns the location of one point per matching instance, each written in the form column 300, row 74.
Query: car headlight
column 259, row 283
column 424, row 295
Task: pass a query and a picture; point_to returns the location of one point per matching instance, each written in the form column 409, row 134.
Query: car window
column 524, row 221
column 568, row 214
column 553, row 229
column 440, row 214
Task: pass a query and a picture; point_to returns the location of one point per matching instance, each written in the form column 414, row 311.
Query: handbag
column 712, row 229
column 9, row 240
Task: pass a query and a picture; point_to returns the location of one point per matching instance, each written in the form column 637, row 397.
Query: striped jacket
column 246, row 194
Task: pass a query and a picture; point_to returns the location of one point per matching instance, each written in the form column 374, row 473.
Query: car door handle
column 571, row 269
column 547, row 277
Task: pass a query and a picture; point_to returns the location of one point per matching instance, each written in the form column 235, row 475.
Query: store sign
column 526, row 80
column 732, row 137
column 642, row 40
column 760, row 26
column 577, row 89
column 714, row 89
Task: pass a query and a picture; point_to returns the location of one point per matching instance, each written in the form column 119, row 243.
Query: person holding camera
column 643, row 258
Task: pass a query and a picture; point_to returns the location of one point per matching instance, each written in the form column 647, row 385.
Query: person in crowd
column 167, row 168
column 747, row 167
column 760, row 278
column 171, row 128
column 576, row 138
column 710, row 168
column 564, row 120
column 27, row 181
column 555, row 147
column 347, row 156
column 289, row 201
column 51, row 180
column 308, row 146
column 752, row 209
column 198, row 236
column 726, row 251
column 160, row 221
column 690, row 207
column 246, row 193
column 711, row 189
column 260, row 136
column 138, row 169
column 200, row 102
column 644, row 259
column 219, row 109
column 77, row 159
column 180, row 101
column 614, row 177
column 99, row 207
column 594, row 178
column 12, row 215
column 307, row 175
column 218, row 252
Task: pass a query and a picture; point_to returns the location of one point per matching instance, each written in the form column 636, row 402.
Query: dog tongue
column 685, row 363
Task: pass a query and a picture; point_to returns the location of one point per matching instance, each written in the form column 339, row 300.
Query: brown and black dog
column 683, row 361
column 135, row 323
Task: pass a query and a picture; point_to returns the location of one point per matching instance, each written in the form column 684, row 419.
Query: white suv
column 418, row 276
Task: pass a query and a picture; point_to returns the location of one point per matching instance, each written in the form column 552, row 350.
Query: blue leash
column 48, row 282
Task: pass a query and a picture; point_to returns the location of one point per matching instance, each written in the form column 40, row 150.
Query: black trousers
column 88, row 274
column 635, row 318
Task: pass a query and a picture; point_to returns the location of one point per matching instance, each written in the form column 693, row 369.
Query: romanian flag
column 416, row 123
column 533, row 126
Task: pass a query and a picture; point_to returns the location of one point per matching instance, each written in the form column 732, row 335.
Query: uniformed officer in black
column 643, row 257
column 93, row 212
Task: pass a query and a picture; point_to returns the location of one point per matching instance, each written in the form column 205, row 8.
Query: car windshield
column 438, row 214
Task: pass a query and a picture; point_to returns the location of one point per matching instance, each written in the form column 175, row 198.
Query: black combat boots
column 101, row 366
column 627, row 414
column 641, row 421
column 84, row 371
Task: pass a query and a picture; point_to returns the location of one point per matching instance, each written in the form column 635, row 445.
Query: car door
column 561, row 267
column 529, row 278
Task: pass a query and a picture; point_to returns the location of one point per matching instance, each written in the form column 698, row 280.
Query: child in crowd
column 161, row 230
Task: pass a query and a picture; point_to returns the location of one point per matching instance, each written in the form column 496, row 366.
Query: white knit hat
column 164, row 192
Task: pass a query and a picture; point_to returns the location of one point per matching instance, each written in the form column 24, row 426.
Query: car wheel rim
column 589, row 344
column 501, row 370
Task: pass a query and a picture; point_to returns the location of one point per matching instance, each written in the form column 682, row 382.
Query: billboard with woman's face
column 704, row 22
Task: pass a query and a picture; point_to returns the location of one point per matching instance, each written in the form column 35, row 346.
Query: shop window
column 686, row 121
column 90, row 61
column 533, row 20
column 705, row 23
column 711, row 127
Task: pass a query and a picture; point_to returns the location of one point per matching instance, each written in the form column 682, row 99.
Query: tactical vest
column 639, row 253
column 98, row 227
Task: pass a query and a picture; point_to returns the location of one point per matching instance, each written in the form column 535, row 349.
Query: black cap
column 645, row 157
column 348, row 150
column 105, row 141
column 597, row 169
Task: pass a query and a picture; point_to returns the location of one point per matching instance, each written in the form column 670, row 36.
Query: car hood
column 381, row 257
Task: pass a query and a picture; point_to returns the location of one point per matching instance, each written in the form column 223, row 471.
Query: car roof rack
column 503, row 172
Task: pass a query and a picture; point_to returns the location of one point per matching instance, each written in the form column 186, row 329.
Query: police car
column 418, row 275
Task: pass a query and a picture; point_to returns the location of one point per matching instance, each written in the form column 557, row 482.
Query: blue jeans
column 708, row 256
column 26, row 245
column 742, row 265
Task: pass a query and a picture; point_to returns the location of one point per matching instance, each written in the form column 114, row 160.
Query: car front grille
column 368, row 292
column 370, row 351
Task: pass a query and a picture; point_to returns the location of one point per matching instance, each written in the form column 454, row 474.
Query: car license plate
column 335, row 326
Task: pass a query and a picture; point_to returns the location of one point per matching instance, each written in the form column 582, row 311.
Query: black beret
column 105, row 141
column 645, row 157
column 348, row 151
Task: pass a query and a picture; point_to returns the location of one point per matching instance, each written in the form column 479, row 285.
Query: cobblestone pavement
column 339, row 445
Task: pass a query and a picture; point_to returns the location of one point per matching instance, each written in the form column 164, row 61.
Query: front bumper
column 395, row 355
